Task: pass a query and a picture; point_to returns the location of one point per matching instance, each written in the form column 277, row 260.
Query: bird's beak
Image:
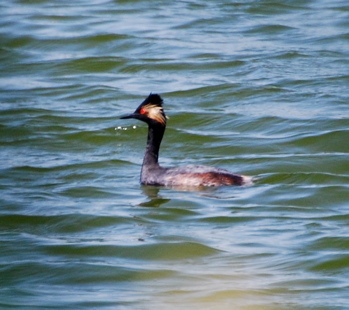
column 133, row 115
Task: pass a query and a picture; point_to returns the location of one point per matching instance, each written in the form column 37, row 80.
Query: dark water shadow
column 154, row 199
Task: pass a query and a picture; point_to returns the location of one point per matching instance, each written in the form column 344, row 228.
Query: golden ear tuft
column 155, row 112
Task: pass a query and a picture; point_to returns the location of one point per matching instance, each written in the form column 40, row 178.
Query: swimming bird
column 151, row 112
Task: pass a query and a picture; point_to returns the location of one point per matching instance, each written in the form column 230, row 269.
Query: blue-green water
column 256, row 87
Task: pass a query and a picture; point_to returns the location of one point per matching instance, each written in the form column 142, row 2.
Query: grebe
column 151, row 112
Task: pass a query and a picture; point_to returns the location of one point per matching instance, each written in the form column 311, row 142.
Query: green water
column 255, row 87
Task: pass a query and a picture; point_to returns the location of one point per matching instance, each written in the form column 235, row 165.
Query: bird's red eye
column 142, row 111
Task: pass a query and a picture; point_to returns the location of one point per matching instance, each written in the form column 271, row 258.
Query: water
column 256, row 87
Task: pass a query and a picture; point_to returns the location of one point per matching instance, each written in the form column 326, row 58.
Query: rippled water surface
column 256, row 87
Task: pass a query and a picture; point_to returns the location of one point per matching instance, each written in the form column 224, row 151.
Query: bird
column 151, row 112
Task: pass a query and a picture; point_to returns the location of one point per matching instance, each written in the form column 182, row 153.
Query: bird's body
column 151, row 112
column 189, row 176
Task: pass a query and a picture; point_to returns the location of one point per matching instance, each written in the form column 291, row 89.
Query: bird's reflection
column 154, row 199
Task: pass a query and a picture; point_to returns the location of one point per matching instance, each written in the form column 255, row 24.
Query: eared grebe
column 151, row 112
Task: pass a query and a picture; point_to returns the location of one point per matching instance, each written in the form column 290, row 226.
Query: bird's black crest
column 154, row 99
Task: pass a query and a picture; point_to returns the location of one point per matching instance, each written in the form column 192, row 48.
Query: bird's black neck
column 155, row 135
